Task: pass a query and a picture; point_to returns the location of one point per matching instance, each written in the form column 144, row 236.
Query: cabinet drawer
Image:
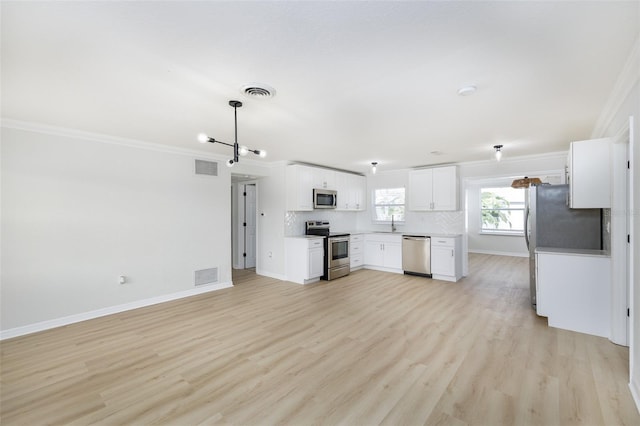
column 356, row 238
column 442, row 242
column 356, row 249
column 357, row 261
column 315, row 242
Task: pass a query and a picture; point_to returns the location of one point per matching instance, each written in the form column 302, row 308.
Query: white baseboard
column 635, row 393
column 271, row 275
column 383, row 269
column 499, row 253
column 71, row 319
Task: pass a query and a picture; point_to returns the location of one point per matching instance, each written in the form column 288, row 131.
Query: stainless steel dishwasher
column 416, row 255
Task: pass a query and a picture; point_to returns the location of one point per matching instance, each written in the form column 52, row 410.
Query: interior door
column 250, row 227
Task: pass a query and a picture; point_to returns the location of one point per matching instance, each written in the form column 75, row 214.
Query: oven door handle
column 338, row 239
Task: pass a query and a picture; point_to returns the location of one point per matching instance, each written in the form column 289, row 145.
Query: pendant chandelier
column 238, row 150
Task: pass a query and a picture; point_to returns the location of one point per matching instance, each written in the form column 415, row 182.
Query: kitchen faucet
column 393, row 225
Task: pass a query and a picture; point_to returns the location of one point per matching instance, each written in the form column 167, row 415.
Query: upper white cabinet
column 351, row 191
column 590, row 174
column 301, row 180
column 434, row 189
column 299, row 186
column 323, row 178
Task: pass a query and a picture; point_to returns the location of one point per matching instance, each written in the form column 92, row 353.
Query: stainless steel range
column 336, row 249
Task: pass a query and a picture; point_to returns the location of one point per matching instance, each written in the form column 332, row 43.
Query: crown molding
column 627, row 79
column 525, row 158
column 46, row 129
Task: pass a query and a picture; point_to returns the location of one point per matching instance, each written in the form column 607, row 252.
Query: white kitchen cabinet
column 590, row 174
column 357, row 200
column 304, row 259
column 299, row 187
column 383, row 252
column 316, row 261
column 323, row 178
column 446, row 258
column 356, row 251
column 434, row 189
column 573, row 290
column 351, row 191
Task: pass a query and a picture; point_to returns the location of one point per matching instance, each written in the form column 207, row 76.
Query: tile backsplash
column 425, row 222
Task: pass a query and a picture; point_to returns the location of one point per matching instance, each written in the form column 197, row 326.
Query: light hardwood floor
column 370, row 348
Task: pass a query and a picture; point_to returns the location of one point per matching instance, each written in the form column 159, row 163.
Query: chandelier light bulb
column 203, row 138
column 374, row 167
column 262, row 153
column 243, row 150
column 230, row 162
column 498, row 149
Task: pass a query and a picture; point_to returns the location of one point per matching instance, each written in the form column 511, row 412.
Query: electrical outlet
column 270, row 254
column 122, row 279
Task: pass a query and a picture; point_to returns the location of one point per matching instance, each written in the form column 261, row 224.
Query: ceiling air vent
column 207, row 168
column 258, row 90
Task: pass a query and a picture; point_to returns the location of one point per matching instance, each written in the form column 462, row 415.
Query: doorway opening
column 243, row 224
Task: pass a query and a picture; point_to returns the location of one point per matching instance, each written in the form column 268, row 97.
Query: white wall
column 271, row 202
column 77, row 213
column 623, row 103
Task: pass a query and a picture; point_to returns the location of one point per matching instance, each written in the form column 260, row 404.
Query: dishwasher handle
column 415, row 238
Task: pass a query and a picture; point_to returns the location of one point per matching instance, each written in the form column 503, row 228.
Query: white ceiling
column 356, row 81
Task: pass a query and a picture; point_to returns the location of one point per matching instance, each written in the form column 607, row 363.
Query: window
column 388, row 202
column 502, row 210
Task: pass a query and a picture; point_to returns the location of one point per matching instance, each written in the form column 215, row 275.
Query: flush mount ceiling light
column 258, row 90
column 467, row 90
column 374, row 167
column 237, row 149
column 498, row 149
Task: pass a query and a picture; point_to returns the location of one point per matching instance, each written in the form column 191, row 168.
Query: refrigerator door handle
column 526, row 226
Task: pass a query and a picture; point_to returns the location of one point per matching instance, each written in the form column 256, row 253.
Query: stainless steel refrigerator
column 549, row 222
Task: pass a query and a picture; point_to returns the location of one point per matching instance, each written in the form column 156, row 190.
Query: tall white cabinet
column 434, row 189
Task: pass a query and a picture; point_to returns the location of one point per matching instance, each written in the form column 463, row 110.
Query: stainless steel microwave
column 325, row 198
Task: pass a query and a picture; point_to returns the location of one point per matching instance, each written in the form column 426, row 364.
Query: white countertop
column 574, row 252
column 425, row 234
column 420, row 234
column 306, row 237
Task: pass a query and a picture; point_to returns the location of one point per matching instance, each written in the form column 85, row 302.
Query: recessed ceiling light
column 258, row 90
column 467, row 90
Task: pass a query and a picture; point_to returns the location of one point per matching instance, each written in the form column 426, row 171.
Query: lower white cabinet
column 356, row 251
column 383, row 252
column 446, row 258
column 304, row 259
column 574, row 291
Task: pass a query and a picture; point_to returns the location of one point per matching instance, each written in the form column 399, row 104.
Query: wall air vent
column 206, row 276
column 207, row 168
